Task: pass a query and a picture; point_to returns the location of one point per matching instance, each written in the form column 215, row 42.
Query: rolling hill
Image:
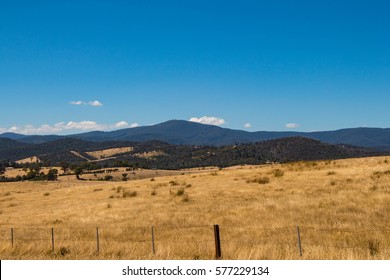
column 178, row 132
column 161, row 155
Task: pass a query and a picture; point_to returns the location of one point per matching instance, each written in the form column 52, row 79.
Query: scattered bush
column 108, row 178
column 331, row 173
column 153, row 192
column 129, row 194
column 173, row 183
column 64, row 251
column 97, row 190
column 46, row 194
column 261, row 180
column 186, row 198
column 373, row 246
column 278, row 173
column 180, row 191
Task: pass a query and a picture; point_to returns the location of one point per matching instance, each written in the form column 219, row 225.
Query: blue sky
column 72, row 66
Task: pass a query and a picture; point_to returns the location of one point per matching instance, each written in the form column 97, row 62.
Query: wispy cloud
column 64, row 127
column 76, row 102
column 208, row 120
column 94, row 103
column 292, row 125
column 247, row 125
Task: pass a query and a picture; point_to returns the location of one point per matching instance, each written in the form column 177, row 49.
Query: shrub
column 64, row 251
column 46, row 194
column 129, row 194
column 173, row 183
column 278, row 173
column 153, row 192
column 186, row 198
column 262, row 180
column 108, row 178
column 180, row 191
column 373, row 246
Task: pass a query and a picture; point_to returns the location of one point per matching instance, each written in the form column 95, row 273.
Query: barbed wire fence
column 214, row 241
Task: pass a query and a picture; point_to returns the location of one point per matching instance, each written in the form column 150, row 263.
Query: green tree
column 52, row 175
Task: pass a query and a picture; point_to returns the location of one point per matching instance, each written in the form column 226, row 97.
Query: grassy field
column 342, row 209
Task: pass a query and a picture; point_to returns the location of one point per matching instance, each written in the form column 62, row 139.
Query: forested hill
column 157, row 154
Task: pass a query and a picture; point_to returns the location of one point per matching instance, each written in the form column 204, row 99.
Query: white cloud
column 95, row 103
column 134, row 125
column 292, row 125
column 124, row 124
column 247, row 125
column 69, row 127
column 76, row 102
column 90, row 103
column 208, row 120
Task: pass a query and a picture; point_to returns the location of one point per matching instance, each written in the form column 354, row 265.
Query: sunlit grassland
column 342, row 208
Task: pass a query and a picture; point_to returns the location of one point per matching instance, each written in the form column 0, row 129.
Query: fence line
column 221, row 235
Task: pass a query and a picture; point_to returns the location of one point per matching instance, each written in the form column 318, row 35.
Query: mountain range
column 179, row 132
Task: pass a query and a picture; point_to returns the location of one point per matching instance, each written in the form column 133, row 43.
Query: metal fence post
column 299, row 241
column 218, row 252
column 153, row 247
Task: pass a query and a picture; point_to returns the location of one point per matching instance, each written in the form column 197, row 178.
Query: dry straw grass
column 342, row 208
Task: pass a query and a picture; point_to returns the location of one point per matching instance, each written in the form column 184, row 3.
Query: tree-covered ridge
column 167, row 156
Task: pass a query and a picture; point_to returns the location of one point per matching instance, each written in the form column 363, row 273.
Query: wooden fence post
column 218, row 252
column 52, row 239
column 97, row 240
column 12, row 237
column 153, row 247
column 299, row 241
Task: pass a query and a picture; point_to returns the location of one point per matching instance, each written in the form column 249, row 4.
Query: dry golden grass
column 29, row 160
column 109, row 152
column 342, row 208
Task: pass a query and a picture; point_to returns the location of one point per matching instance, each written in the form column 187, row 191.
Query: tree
column 78, row 171
column 52, row 175
column 65, row 167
